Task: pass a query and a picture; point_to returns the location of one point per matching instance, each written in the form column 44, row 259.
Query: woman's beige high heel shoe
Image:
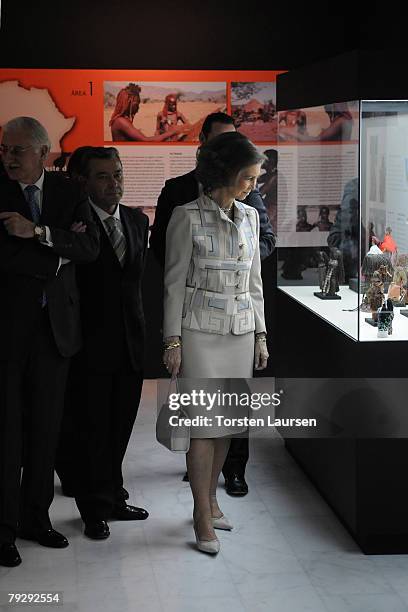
column 211, row 547
column 222, row 522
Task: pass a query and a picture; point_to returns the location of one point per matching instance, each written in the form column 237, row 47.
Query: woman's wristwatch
column 260, row 337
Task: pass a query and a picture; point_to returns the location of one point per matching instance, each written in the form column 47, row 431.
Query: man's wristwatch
column 40, row 233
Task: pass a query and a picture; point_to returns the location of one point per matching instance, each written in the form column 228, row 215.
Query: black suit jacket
column 183, row 189
column 28, row 268
column 111, row 299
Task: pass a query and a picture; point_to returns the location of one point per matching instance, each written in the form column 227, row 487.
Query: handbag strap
column 173, row 379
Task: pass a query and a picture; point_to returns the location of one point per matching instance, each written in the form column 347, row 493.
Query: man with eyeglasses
column 44, row 230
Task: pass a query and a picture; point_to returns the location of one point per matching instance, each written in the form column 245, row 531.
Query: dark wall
column 185, row 34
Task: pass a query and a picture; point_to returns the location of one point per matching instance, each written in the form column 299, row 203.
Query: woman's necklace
column 227, row 210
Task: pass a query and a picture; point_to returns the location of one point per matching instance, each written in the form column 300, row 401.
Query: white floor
column 288, row 552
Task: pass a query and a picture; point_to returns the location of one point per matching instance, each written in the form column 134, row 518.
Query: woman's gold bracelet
column 172, row 345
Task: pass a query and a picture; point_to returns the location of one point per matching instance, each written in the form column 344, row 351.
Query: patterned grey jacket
column 212, row 280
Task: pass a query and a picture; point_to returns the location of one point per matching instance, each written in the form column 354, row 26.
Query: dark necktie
column 30, row 195
column 117, row 238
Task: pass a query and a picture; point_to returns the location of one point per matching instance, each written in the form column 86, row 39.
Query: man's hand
column 78, row 227
column 17, row 225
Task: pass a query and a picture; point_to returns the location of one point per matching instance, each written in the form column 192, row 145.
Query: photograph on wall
column 253, row 107
column 315, row 218
column 335, row 122
column 159, row 112
column 314, row 182
column 168, row 109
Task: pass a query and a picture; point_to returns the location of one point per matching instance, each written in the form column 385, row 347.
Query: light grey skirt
column 229, row 360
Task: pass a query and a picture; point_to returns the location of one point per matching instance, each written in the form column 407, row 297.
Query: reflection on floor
column 288, row 552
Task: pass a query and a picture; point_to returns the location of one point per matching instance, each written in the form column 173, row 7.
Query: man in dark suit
column 105, row 381
column 39, row 310
column 179, row 191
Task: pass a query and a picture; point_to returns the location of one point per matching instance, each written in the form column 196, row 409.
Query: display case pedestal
column 325, row 296
column 361, row 481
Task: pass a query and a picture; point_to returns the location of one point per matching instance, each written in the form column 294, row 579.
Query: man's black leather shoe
column 235, row 485
column 9, row 556
column 49, row 538
column 123, row 494
column 129, row 513
column 97, row 530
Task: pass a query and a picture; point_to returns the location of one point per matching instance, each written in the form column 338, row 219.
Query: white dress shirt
column 103, row 215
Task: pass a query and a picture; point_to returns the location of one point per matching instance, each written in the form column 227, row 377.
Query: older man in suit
column 182, row 190
column 106, row 377
column 44, row 229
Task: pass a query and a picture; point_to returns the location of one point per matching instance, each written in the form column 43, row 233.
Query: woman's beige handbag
column 174, row 437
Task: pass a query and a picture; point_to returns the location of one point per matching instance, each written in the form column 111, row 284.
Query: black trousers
column 237, row 457
column 31, row 406
column 101, row 409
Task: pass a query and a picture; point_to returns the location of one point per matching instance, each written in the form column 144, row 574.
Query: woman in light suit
column 214, row 325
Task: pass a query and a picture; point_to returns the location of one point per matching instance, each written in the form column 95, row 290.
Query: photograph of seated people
column 339, row 129
column 170, row 117
column 323, row 223
column 45, row 229
column 106, row 376
column 121, row 122
column 179, row 191
column 295, row 119
column 228, row 166
column 302, row 224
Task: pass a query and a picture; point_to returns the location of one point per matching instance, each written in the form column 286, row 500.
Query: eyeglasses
column 16, row 150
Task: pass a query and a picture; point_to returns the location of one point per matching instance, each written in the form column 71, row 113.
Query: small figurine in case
column 375, row 297
column 371, row 263
column 385, row 316
column 397, row 290
column 331, row 274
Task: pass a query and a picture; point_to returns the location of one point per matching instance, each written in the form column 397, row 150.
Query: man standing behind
column 184, row 189
column 39, row 310
column 106, row 378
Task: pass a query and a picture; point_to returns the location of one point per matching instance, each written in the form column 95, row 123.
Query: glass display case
column 343, row 214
